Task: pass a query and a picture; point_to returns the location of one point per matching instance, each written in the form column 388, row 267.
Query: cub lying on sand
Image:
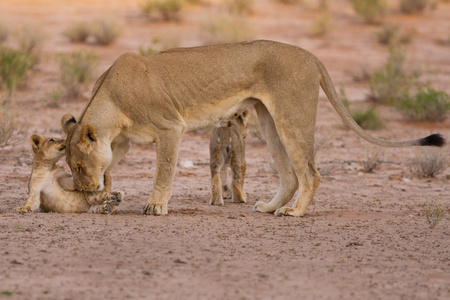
column 52, row 189
column 227, row 149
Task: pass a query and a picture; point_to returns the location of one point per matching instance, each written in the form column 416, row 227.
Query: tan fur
column 227, row 150
column 51, row 189
column 159, row 97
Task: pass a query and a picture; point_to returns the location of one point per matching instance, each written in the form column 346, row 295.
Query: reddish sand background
column 364, row 237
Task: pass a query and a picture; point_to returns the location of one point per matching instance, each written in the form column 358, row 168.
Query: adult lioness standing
column 158, row 98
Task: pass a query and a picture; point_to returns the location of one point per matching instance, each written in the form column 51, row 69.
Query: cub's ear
column 88, row 135
column 67, row 122
column 36, row 142
column 245, row 113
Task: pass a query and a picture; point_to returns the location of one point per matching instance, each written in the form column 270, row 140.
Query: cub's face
column 49, row 150
column 240, row 120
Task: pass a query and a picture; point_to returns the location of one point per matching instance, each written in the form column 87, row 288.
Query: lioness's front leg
column 167, row 145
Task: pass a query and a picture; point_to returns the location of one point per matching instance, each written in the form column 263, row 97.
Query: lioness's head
column 49, row 150
column 86, row 156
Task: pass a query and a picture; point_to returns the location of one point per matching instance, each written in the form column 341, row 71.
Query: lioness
column 159, row 97
column 227, row 149
column 51, row 188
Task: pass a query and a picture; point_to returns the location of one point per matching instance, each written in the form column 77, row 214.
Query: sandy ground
column 365, row 236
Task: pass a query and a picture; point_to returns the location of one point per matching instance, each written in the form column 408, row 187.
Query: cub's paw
column 108, row 207
column 117, row 197
column 226, row 192
column 22, row 209
column 155, row 209
column 263, row 207
column 216, row 200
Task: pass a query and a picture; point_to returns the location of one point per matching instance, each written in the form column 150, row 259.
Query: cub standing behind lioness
column 227, row 149
column 52, row 189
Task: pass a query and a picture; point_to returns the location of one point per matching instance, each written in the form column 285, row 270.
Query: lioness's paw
column 117, row 197
column 263, row 207
column 22, row 209
column 286, row 211
column 155, row 209
column 216, row 199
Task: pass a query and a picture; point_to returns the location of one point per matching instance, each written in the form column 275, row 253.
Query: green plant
column 322, row 25
column 77, row 32
column 76, row 71
column 370, row 10
column 226, row 29
column 427, row 104
column 392, row 80
column 146, row 51
column 429, row 163
column 167, row 8
column 14, row 68
column 413, row 6
column 29, row 37
column 392, row 35
column 434, row 213
column 367, row 119
column 106, row 30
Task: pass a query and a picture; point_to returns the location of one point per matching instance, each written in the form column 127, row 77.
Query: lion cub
column 227, row 149
column 51, row 189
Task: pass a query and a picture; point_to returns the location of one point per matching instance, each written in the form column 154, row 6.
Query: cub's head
column 240, row 121
column 86, row 155
column 49, row 150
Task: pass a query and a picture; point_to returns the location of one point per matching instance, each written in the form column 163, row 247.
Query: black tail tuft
column 433, row 140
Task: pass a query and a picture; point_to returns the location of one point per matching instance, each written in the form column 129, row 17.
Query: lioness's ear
column 67, row 122
column 36, row 142
column 88, row 135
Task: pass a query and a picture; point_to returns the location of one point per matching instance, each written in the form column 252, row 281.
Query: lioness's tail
column 330, row 91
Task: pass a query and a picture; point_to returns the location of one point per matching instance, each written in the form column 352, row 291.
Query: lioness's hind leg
column 288, row 179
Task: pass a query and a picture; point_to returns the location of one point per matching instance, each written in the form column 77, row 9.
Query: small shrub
column 429, row 163
column 427, row 104
column 14, row 68
column 106, row 30
column 226, row 30
column 240, row 7
column 392, row 35
column 30, row 37
column 370, row 10
column 12, row 130
column 322, row 25
column 372, row 161
column 392, row 80
column 367, row 119
column 168, row 9
column 77, row 32
column 76, row 71
column 413, row 6
column 434, row 213
column 4, row 32
column 146, row 51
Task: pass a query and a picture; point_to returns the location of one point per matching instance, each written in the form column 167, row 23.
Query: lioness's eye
column 52, row 140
